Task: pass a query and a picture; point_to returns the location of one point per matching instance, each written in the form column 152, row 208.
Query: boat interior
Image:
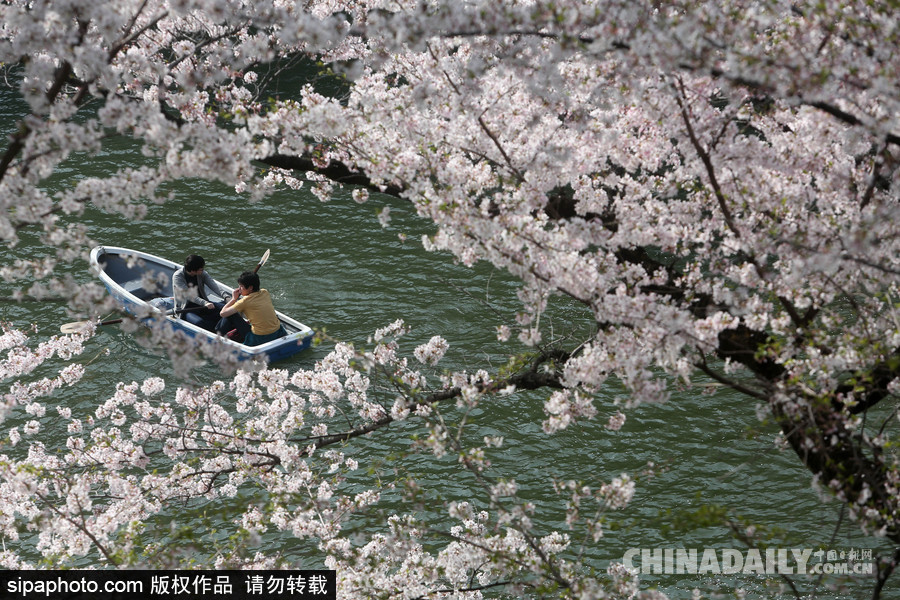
column 133, row 274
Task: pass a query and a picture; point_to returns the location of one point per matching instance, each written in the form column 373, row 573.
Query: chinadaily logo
column 730, row 561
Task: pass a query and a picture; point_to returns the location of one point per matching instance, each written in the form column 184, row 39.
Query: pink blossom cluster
column 433, row 351
column 21, row 360
column 271, row 433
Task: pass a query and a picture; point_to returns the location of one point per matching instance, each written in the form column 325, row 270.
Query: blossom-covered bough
column 713, row 183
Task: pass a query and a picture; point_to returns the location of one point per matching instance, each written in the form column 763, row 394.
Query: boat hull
column 141, row 284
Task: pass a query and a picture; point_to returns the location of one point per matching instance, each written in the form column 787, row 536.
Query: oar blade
column 79, row 326
column 76, row 327
column 262, row 261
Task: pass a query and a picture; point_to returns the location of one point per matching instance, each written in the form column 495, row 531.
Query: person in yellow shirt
column 255, row 305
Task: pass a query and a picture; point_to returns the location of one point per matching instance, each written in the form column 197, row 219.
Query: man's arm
column 214, row 285
column 229, row 308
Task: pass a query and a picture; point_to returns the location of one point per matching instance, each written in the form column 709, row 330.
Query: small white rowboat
column 129, row 276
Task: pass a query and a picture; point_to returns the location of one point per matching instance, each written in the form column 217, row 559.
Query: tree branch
column 335, row 171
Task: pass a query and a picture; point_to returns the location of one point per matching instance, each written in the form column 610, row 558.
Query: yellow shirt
column 258, row 309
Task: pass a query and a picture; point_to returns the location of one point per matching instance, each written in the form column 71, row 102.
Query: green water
column 333, row 266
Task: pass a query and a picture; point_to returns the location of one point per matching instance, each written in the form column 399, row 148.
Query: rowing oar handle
column 73, row 327
column 167, row 313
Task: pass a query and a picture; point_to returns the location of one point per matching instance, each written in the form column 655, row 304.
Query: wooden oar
column 80, row 325
column 262, row 261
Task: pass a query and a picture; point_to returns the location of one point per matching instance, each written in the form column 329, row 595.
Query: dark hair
column 194, row 262
column 249, row 280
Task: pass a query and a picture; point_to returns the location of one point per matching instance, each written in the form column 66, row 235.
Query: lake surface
column 334, row 267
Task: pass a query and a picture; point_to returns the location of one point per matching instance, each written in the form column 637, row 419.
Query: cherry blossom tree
column 712, row 183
